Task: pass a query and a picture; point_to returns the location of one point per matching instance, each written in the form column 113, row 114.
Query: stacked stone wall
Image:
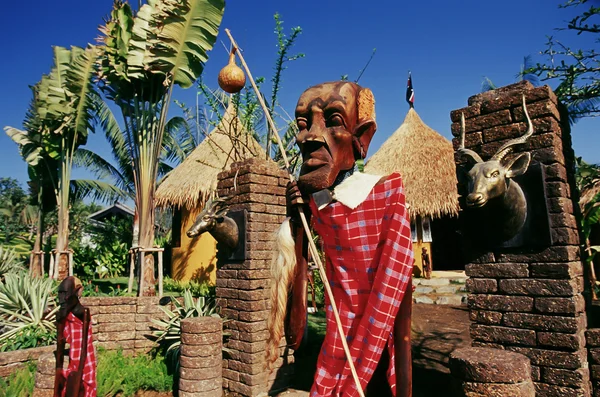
column 258, row 187
column 529, row 300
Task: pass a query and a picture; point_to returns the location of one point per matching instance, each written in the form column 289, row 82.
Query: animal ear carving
column 518, row 165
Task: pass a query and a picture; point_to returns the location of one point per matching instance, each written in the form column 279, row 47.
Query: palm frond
column 182, row 33
column 96, row 190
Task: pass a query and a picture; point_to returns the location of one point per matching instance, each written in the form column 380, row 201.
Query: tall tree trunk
column 146, row 234
column 35, row 265
column 61, row 263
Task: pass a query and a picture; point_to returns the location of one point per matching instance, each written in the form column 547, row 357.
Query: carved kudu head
column 491, row 179
column 212, row 219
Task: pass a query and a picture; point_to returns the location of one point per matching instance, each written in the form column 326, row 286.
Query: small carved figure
column 426, row 263
column 74, row 326
column 212, row 219
column 497, row 201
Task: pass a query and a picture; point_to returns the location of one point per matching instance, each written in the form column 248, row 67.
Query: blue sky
column 448, row 45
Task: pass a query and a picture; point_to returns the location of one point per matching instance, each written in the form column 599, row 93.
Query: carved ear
column 518, row 165
column 363, row 133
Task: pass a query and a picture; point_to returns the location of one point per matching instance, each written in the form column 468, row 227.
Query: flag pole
column 311, row 243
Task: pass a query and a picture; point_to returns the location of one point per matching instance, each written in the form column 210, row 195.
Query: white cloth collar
column 355, row 189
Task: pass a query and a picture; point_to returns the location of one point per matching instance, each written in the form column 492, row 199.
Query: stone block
column 567, row 306
column 200, row 386
column 193, row 374
column 497, row 270
column 504, row 335
column 565, row 377
column 201, row 339
column 500, row 303
column 592, row 337
column 556, row 270
column 522, row 389
column 565, row 236
column 547, row 390
column 473, row 364
column 469, row 112
column 552, row 358
column 200, row 362
column 478, row 123
column 570, row 342
column 550, row 255
column 542, row 322
column 537, row 109
column 202, row 325
column 556, row 172
column 558, row 189
column 539, row 287
column 485, row 317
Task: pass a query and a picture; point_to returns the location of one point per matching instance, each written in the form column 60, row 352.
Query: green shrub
column 169, row 332
column 20, row 383
column 122, row 375
column 27, row 311
column 195, row 287
column 9, row 262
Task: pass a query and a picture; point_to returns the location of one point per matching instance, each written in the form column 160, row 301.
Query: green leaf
column 182, row 34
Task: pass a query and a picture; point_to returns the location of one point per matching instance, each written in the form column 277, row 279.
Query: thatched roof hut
column 425, row 159
column 195, row 180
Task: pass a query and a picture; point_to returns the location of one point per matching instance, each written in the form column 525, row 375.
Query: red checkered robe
column 73, row 333
column 369, row 265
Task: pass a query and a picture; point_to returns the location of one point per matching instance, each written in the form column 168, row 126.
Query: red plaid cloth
column 73, row 333
column 369, row 265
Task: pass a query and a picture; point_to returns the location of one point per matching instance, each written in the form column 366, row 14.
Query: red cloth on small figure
column 73, row 333
column 369, row 266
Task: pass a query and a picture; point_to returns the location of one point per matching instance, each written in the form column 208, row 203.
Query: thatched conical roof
column 195, row 180
column 425, row 159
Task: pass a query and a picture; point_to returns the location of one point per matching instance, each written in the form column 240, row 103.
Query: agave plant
column 168, row 336
column 26, row 303
column 9, row 263
column 143, row 56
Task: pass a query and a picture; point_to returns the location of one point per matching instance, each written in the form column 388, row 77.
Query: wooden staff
column 311, row 243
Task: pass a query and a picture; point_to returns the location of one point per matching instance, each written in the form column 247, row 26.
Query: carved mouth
column 476, row 204
column 316, row 156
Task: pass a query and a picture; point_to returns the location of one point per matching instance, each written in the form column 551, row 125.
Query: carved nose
column 190, row 233
column 475, row 199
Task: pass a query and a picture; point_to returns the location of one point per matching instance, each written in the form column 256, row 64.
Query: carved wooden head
column 336, row 122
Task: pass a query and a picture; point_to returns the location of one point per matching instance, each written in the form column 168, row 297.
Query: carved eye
column 302, row 124
column 495, row 174
column 335, row 120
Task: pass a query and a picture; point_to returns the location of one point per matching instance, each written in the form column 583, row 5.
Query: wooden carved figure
column 363, row 223
column 74, row 327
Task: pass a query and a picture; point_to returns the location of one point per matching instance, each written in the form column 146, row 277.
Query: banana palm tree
column 143, row 57
column 178, row 142
column 58, row 121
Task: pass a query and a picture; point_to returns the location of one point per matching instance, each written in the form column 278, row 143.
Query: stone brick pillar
column 44, row 377
column 593, row 344
column 242, row 286
column 200, row 366
column 528, row 299
column 491, row 372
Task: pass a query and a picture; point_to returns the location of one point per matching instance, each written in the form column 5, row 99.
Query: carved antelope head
column 213, row 212
column 492, row 178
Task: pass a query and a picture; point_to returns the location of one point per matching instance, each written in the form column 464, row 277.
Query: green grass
column 20, row 383
column 21, row 247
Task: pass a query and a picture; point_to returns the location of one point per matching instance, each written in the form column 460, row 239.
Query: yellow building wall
column 195, row 258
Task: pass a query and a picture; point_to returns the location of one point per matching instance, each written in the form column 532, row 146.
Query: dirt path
column 437, row 331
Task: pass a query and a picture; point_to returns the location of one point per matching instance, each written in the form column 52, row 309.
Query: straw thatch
column 195, row 180
column 425, row 159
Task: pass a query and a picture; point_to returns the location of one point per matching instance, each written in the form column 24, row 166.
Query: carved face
column 69, row 292
column 488, row 180
column 334, row 130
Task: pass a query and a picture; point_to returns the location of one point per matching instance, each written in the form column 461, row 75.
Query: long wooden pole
column 311, row 243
